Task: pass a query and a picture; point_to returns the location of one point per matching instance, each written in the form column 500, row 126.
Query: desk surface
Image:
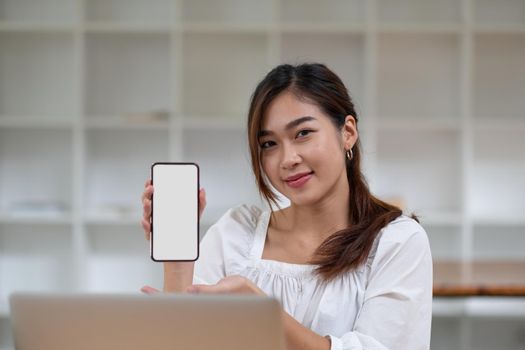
column 479, row 278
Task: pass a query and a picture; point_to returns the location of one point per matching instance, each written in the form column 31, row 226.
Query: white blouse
column 384, row 304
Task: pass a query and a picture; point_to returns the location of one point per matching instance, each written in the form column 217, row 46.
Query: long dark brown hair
column 346, row 249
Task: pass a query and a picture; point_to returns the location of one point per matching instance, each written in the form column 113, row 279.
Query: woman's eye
column 304, row 132
column 266, row 144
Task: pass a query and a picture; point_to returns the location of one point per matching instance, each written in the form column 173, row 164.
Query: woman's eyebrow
column 288, row 126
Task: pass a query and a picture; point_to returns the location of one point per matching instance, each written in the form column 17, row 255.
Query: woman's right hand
column 146, row 205
column 178, row 275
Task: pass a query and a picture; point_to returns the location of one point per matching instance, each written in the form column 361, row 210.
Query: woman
column 351, row 271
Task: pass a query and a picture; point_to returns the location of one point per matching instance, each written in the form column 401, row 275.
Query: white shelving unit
column 94, row 91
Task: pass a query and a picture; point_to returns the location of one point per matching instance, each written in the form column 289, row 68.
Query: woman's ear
column 350, row 134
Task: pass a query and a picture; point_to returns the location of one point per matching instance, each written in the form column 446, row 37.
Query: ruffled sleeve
column 226, row 244
column 397, row 308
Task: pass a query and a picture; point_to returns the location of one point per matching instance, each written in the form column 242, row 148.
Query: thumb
column 149, row 290
column 203, row 288
column 202, row 201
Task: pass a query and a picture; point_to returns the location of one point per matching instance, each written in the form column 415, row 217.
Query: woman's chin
column 303, row 199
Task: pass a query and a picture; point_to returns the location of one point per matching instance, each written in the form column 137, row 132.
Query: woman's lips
column 300, row 181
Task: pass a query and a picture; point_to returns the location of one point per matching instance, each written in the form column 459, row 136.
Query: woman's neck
column 316, row 221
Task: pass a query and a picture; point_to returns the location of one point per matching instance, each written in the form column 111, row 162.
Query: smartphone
column 175, row 212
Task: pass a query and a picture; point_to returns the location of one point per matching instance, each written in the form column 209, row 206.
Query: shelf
column 127, row 28
column 502, row 11
column 223, row 67
column 35, row 27
column 445, row 240
column 41, row 68
column 500, row 220
column 447, row 307
column 36, row 122
column 498, row 171
column 211, row 214
column 344, row 53
column 117, row 165
column 502, row 123
column 31, row 160
column 330, row 11
column 423, row 11
column 45, row 11
column 119, row 261
column 432, row 158
column 228, row 11
column 224, row 28
column 503, row 28
column 447, row 332
column 35, row 218
column 112, row 219
column 117, row 241
column 6, row 334
column 419, row 28
column 107, row 273
column 35, row 257
column 218, row 123
column 149, row 12
column 498, row 332
column 141, row 121
column 138, row 65
column 4, row 309
column 437, row 218
column 418, row 76
column 225, row 170
column 443, row 123
column 321, row 28
column 494, row 241
column 479, row 307
column 498, row 74
column 480, row 277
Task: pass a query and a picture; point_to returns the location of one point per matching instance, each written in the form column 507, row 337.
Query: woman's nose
column 290, row 157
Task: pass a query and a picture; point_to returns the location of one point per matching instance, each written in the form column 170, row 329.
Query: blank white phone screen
column 175, row 218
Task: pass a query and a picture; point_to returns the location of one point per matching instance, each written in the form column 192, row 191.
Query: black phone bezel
column 198, row 216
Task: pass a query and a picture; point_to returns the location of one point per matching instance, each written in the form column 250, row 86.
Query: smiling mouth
column 295, row 178
column 299, row 181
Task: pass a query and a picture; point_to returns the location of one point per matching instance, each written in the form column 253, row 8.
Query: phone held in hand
column 175, row 212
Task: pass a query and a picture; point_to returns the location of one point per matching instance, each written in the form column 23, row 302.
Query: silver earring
column 349, row 154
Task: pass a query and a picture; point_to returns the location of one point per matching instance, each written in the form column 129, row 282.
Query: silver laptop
column 164, row 321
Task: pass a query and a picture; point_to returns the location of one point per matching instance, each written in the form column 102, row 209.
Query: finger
column 147, row 228
column 202, row 201
column 146, row 213
column 144, row 193
column 206, row 289
column 148, row 193
column 202, row 196
column 149, row 290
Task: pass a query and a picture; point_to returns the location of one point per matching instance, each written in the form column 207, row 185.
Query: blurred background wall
column 92, row 92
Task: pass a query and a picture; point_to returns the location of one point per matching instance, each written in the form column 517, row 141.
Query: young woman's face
column 299, row 139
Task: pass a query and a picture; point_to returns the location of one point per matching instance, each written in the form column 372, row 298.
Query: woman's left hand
column 228, row 285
